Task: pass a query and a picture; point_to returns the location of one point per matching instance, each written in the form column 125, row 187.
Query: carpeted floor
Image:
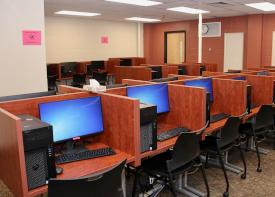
column 256, row 185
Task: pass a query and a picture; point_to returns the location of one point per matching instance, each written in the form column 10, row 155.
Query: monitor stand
column 71, row 147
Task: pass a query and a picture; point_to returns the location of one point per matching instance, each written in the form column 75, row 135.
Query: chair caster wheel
column 243, row 176
column 225, row 194
column 259, row 169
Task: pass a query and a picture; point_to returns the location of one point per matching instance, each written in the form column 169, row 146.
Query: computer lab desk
column 87, row 167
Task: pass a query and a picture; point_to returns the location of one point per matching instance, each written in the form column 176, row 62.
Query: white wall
column 79, row 39
column 23, row 68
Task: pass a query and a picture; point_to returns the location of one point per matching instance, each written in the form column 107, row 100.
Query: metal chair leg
column 259, row 169
column 172, row 185
column 226, row 193
column 205, row 180
column 136, row 178
column 243, row 176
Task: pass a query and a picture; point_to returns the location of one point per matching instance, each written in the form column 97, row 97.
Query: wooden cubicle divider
column 12, row 165
column 121, row 124
column 229, row 96
column 210, row 73
column 173, row 69
column 262, row 89
column 185, row 111
column 131, row 72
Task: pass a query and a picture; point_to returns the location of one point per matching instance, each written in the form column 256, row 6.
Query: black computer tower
column 38, row 149
column 208, row 108
column 248, row 98
column 148, row 127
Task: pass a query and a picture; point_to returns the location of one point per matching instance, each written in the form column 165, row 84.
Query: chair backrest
column 79, row 78
column 103, row 185
column 264, row 117
column 100, row 76
column 186, row 149
column 230, row 132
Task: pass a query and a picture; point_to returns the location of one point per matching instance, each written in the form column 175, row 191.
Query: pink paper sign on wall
column 31, row 37
column 104, row 39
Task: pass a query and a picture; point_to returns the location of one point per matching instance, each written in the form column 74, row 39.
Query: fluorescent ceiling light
column 74, row 13
column 264, row 6
column 188, row 10
column 142, row 19
column 137, row 2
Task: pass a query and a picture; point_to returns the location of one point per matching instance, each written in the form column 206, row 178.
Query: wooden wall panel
column 187, row 107
column 229, row 96
column 122, row 115
column 12, row 165
column 262, row 89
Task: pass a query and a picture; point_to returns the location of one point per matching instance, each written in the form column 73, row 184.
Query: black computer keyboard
column 217, row 117
column 171, row 133
column 83, row 155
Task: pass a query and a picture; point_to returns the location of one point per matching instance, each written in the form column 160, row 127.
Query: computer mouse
column 59, row 170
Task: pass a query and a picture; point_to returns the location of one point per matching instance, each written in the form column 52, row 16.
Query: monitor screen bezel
column 168, row 100
column 76, row 138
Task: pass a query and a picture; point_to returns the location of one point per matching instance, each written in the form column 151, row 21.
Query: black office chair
column 79, row 80
column 52, row 82
column 258, row 128
column 103, row 185
column 101, row 77
column 184, row 157
column 228, row 138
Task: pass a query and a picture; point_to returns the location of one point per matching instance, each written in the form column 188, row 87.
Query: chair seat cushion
column 156, row 166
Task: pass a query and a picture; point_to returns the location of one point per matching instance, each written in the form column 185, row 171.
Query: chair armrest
column 202, row 130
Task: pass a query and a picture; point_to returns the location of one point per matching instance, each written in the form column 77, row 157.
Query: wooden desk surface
column 86, row 167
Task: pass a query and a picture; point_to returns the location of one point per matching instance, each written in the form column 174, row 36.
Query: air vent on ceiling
column 220, row 4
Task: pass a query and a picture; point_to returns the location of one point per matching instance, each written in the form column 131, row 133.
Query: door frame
column 165, row 43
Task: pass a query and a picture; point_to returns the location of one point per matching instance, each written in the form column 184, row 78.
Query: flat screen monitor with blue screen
column 203, row 83
column 151, row 94
column 73, row 118
column 241, row 78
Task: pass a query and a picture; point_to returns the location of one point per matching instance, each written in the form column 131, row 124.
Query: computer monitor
column 203, row 83
column 262, row 73
column 241, row 78
column 151, row 94
column 73, row 119
column 95, row 65
column 68, row 69
column 126, row 62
